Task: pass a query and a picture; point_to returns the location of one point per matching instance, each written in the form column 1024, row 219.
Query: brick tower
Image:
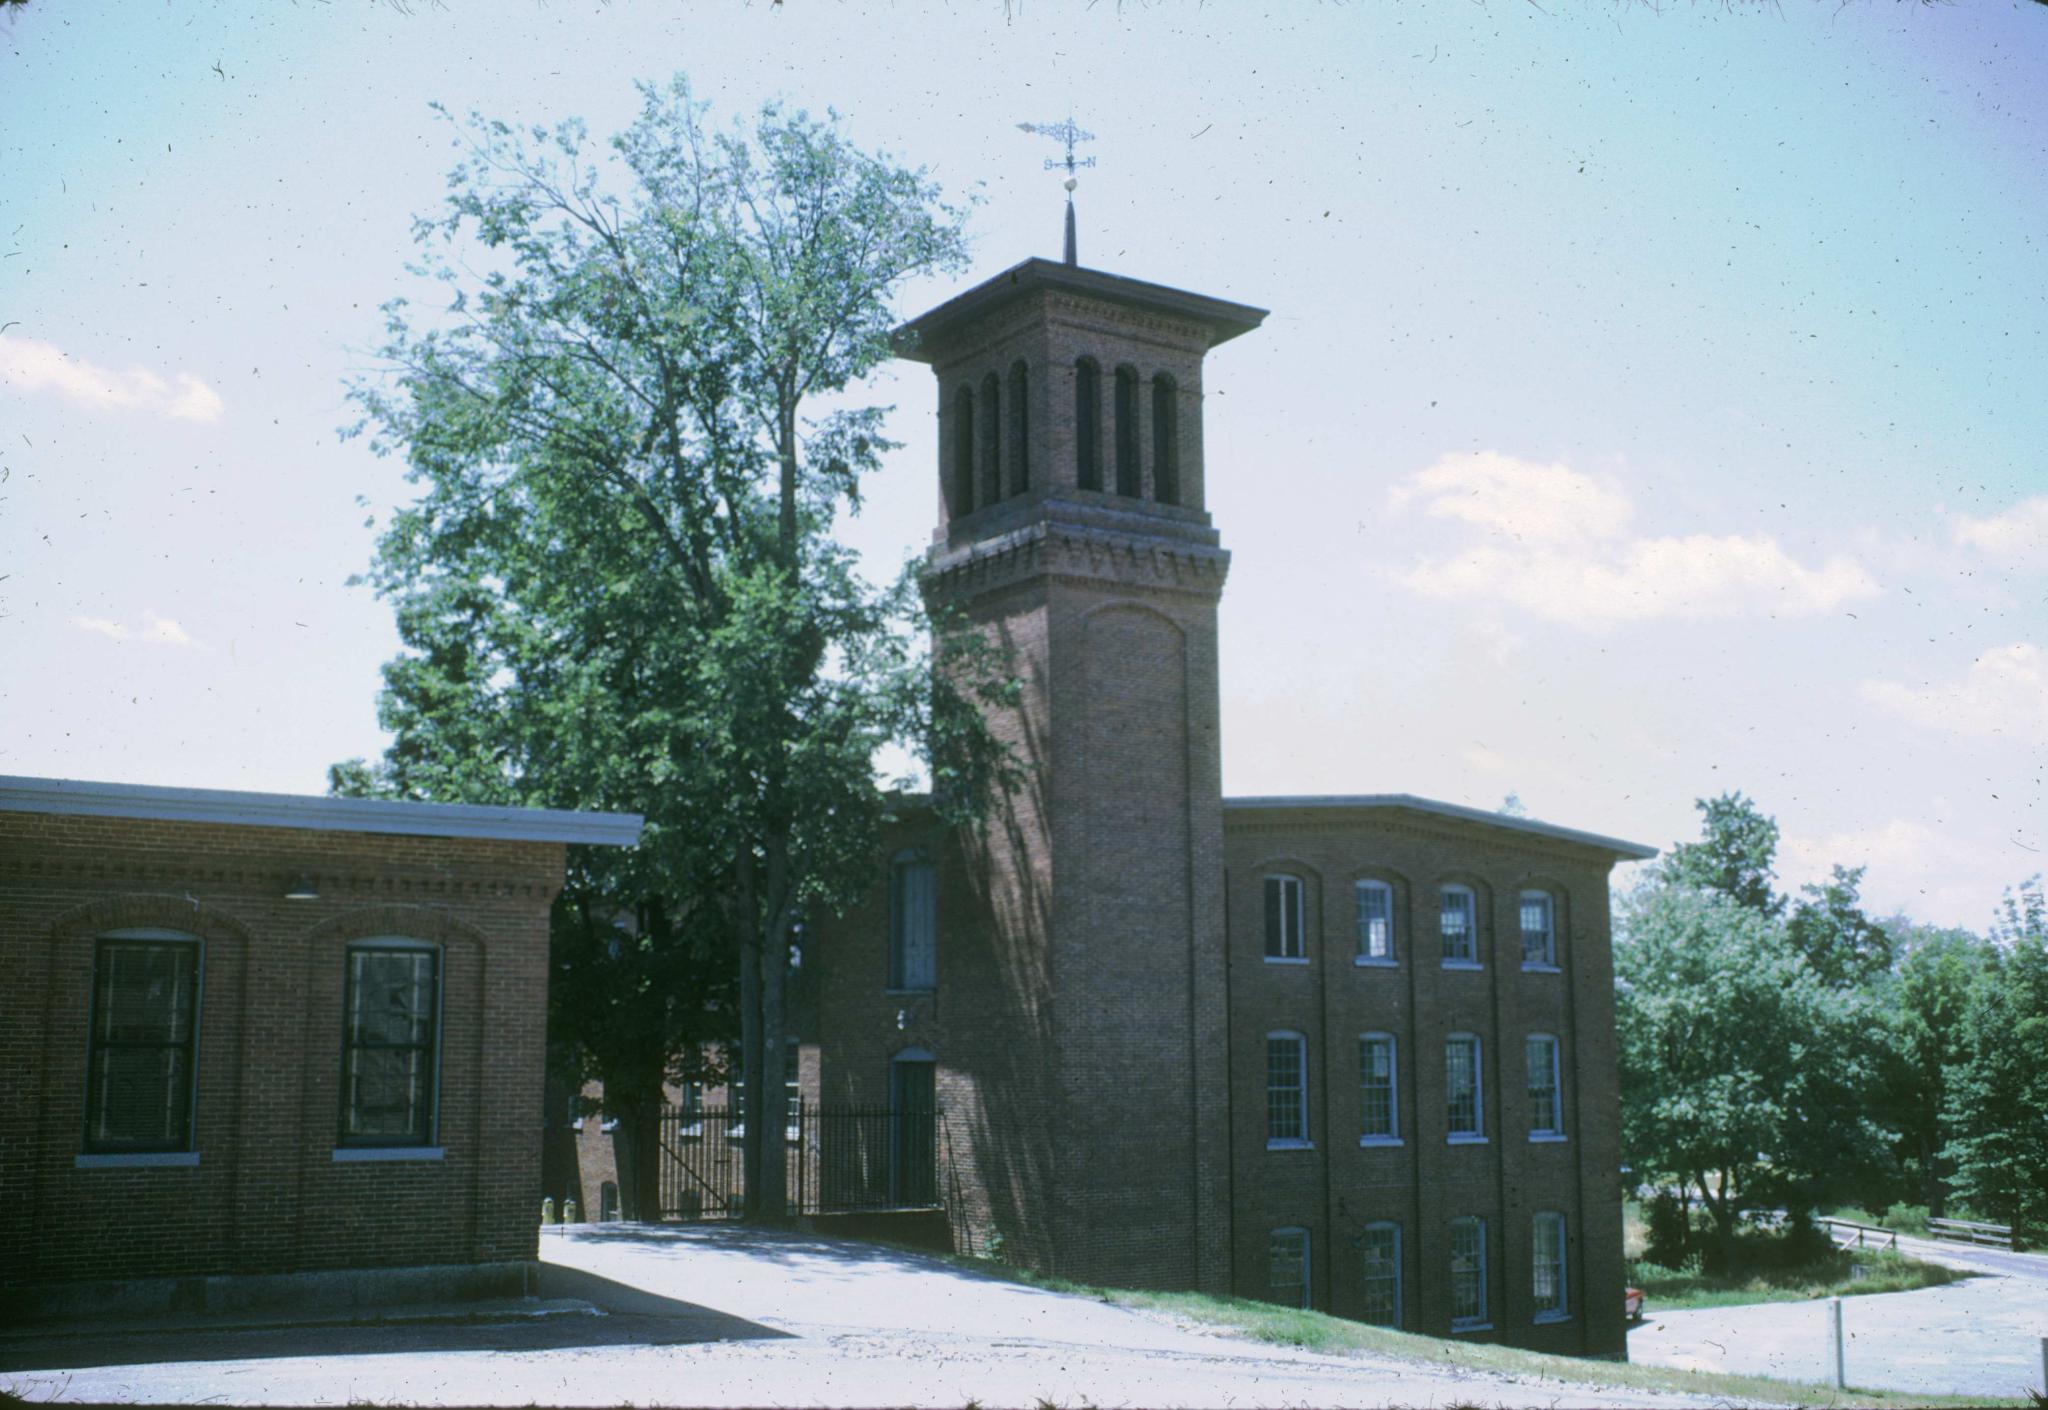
column 1072, row 530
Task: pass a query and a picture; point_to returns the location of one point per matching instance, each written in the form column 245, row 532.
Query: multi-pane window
column 144, row 1042
column 1458, row 919
column 1546, row 1262
column 913, row 923
column 1287, row 1267
column 1380, row 1107
column 792, row 1089
column 1539, row 930
column 1546, row 1097
column 1468, row 1273
column 391, row 1020
column 1375, row 922
column 1286, row 1089
column 1381, row 1248
column 1465, row 1104
column 1286, row 909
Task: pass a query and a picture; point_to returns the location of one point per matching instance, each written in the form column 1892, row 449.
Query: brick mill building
column 258, row 1049
column 1354, row 1053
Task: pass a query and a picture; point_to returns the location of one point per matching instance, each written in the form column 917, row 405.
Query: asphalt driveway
column 709, row 1315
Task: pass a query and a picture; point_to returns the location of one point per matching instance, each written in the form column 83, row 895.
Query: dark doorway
column 913, row 1136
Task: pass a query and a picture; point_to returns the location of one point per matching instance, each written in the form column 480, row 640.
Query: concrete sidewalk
column 706, row 1315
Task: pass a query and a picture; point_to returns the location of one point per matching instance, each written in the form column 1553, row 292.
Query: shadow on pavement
column 630, row 1317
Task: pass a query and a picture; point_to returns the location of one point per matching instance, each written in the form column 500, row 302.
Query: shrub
column 1906, row 1218
column 1669, row 1227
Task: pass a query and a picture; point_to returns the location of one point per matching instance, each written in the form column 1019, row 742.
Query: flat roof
column 1224, row 319
column 80, row 798
column 1634, row 851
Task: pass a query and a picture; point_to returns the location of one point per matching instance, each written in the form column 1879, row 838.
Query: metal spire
column 1068, row 133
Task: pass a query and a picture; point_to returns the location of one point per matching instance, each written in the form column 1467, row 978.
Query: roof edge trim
column 1634, row 851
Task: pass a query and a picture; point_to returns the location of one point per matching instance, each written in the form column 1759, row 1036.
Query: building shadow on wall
column 617, row 1315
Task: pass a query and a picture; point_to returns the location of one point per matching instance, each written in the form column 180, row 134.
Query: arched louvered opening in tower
column 991, row 439
column 1020, row 428
column 1088, row 424
column 963, row 453
column 1165, row 440
column 1129, row 478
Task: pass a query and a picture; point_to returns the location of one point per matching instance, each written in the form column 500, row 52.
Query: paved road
column 1981, row 1336
column 715, row 1316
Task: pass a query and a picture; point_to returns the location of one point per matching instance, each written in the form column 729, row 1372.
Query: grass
column 1335, row 1336
column 1831, row 1275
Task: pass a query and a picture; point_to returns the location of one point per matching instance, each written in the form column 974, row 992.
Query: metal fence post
column 1840, row 1381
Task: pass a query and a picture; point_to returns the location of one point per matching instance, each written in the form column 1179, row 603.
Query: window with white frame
column 391, row 1038
column 1380, row 1107
column 1286, row 1090
column 1286, row 914
column 1468, row 1274
column 1546, row 1263
column 142, row 1055
column 913, row 923
column 1458, row 919
column 1375, row 922
column 1546, row 1092
column 1380, row 1247
column 1539, row 930
column 1465, row 1103
column 1287, row 1267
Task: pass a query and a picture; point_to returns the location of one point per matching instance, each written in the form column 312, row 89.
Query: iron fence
column 836, row 1160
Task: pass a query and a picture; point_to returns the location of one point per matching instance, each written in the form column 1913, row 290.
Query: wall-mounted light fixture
column 302, row 889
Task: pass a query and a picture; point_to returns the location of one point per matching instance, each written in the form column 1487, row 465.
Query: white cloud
column 2004, row 694
column 2020, row 532
column 35, row 366
column 158, row 630
column 1930, row 870
column 1555, row 542
column 102, row 626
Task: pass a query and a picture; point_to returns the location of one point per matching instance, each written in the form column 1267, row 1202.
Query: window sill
column 134, row 1160
column 1465, row 1138
column 1457, row 1327
column 1528, row 968
column 1548, row 1138
column 1463, row 964
column 1294, row 1143
column 1551, row 1319
column 349, row 1155
column 1370, row 1142
column 1362, row 962
column 1287, row 959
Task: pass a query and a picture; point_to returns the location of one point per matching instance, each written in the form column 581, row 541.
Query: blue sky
column 1653, row 403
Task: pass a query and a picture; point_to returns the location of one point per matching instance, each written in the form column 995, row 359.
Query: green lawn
column 1316, row 1331
column 1832, row 1275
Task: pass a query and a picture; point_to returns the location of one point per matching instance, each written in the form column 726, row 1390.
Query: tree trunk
column 748, row 1096
column 636, row 1104
column 774, row 1200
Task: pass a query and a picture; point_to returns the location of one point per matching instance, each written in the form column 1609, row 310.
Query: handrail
column 1836, row 1225
column 1997, row 1235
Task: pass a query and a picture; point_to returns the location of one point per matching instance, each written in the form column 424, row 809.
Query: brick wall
column 1337, row 1186
column 267, row 1194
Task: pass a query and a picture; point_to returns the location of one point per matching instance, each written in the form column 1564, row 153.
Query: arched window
column 1539, row 930
column 1379, row 1102
column 1286, row 915
column 1286, row 1091
column 1381, row 1245
column 1468, row 1274
column 1165, row 440
column 1020, row 428
column 1458, row 919
column 1546, row 1088
column 913, row 923
column 1375, row 922
column 1088, row 424
column 991, row 439
column 1129, row 479
column 1546, row 1266
column 963, row 453
column 1287, row 1267
column 143, row 1046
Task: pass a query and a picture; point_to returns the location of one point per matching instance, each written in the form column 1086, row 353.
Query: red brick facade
column 262, row 1188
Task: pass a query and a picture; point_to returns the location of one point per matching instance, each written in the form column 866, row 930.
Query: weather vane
column 1068, row 133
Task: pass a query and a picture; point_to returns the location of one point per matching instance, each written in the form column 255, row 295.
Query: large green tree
column 618, row 586
column 1996, row 1093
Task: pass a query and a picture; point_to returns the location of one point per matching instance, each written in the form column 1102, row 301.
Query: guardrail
column 1964, row 1230
column 1861, row 1235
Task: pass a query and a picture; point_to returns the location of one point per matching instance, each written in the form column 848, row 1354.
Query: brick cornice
column 56, row 866
column 1074, row 552
column 1238, row 826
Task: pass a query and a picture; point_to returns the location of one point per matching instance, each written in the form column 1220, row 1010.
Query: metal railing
column 836, row 1160
column 1997, row 1235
